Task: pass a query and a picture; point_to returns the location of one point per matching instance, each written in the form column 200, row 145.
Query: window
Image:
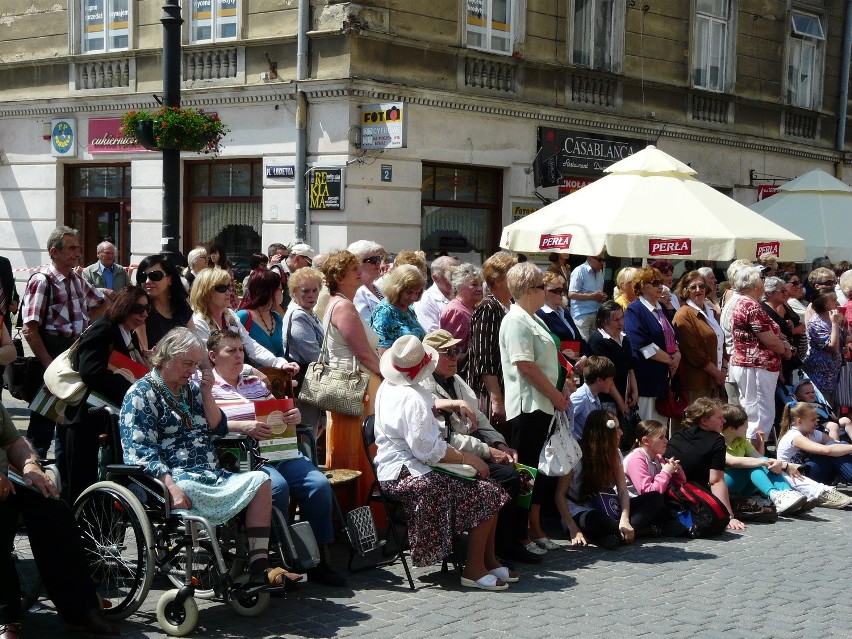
column 213, row 20
column 710, row 53
column 490, row 25
column 804, row 61
column 598, row 34
column 106, row 25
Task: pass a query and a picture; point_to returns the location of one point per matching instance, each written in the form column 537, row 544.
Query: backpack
column 699, row 509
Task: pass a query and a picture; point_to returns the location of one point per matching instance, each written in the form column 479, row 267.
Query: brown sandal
column 279, row 576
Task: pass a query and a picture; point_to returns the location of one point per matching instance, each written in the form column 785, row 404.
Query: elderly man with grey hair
column 106, row 275
column 368, row 296
column 437, row 296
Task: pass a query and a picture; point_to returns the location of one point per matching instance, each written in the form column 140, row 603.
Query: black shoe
column 95, row 622
column 323, row 574
column 516, row 552
column 609, row 542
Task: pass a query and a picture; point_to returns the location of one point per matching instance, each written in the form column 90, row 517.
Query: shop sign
column 681, row 246
column 282, row 171
column 63, row 138
column 572, row 184
column 105, row 137
column 383, row 126
column 564, row 153
column 767, row 190
column 767, row 248
column 520, row 211
column 325, row 187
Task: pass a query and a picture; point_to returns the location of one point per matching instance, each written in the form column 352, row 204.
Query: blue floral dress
column 179, row 441
column 821, row 365
column 391, row 323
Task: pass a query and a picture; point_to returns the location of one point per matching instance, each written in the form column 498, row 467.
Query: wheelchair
column 131, row 536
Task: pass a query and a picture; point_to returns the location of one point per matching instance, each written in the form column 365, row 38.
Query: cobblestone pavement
column 786, row 579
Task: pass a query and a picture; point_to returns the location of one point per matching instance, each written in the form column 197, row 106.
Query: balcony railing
column 591, row 90
column 710, row 108
column 800, row 125
column 493, row 75
column 211, row 64
column 116, row 73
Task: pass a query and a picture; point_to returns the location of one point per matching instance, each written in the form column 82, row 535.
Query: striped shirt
column 238, row 402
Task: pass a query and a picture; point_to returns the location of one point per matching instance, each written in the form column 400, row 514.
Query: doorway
column 98, row 206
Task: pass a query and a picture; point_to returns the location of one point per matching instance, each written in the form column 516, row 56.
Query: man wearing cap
column 467, row 429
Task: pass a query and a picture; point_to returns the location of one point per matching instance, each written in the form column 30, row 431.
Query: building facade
column 485, row 109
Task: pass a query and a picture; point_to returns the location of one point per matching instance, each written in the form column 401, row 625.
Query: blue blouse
column 272, row 343
column 391, row 323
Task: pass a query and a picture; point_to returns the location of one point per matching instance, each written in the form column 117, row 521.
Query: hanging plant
column 175, row 128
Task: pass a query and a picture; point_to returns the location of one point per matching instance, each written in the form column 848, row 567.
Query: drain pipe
column 301, row 151
column 842, row 107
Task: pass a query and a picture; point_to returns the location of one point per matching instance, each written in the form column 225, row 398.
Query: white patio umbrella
column 818, row 207
column 651, row 206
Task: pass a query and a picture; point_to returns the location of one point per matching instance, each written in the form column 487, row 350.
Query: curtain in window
column 593, row 21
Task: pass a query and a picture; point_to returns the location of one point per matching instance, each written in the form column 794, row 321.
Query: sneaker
column 787, row 500
column 834, row 499
column 546, row 544
column 534, row 548
column 516, row 552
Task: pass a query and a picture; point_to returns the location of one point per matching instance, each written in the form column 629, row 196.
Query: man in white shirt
column 436, row 297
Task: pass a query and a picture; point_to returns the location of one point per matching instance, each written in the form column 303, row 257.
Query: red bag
column 674, row 403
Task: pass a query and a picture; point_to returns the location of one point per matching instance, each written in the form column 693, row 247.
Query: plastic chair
column 361, row 528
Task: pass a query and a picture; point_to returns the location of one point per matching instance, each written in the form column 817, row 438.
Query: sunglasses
column 656, row 282
column 453, row 351
column 826, row 282
column 138, row 309
column 375, row 260
column 539, row 287
column 794, row 283
column 221, row 288
column 599, row 259
column 559, row 290
column 155, row 276
column 230, row 332
column 697, row 287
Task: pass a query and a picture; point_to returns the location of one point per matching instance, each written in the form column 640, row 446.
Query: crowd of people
column 468, row 365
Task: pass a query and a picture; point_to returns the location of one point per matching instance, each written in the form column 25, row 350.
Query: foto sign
column 383, row 126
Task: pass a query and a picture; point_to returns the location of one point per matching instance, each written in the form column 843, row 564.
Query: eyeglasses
column 453, row 351
column 599, row 259
column 539, row 287
column 558, row 291
column 308, row 291
column 414, row 292
column 221, row 288
column 656, row 282
column 697, row 287
column 794, row 283
column 375, row 260
column 155, row 276
column 138, row 309
column 826, row 282
column 307, row 259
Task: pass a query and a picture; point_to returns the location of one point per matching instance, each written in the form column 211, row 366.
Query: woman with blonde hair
column 624, row 283
column 349, row 339
column 394, row 316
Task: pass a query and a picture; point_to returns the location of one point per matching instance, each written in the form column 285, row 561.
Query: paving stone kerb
column 787, row 579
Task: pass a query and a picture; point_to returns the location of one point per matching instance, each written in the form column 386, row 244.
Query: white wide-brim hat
column 408, row 361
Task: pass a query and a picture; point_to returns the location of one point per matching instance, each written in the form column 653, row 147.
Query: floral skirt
column 439, row 507
column 223, row 500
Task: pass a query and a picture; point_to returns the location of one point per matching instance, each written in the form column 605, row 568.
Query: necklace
column 266, row 327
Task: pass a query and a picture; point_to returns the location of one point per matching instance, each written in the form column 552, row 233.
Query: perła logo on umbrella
column 680, row 246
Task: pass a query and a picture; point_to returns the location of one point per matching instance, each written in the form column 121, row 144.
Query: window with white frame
column 804, row 60
column 491, row 25
column 598, row 34
column 213, row 20
column 711, row 52
column 105, row 25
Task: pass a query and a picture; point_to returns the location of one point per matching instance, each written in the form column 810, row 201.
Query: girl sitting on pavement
column 823, row 458
column 747, row 470
column 837, row 428
column 595, row 492
column 646, row 468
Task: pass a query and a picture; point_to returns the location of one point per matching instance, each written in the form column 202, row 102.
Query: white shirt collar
column 648, row 305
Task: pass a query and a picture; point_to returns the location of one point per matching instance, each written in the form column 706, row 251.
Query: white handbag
column 63, row 381
column 561, row 452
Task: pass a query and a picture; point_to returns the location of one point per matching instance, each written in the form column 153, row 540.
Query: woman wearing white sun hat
column 439, row 506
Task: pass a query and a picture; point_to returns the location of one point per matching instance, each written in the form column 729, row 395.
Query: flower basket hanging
column 175, row 128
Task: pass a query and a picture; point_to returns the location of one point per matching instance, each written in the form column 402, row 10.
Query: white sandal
column 486, row 582
column 505, row 574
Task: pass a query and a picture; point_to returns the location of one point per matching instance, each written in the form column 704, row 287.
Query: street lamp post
column 171, row 22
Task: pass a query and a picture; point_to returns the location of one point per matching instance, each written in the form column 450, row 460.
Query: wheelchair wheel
column 28, row 575
column 205, row 572
column 249, row 605
column 176, row 620
column 118, row 539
